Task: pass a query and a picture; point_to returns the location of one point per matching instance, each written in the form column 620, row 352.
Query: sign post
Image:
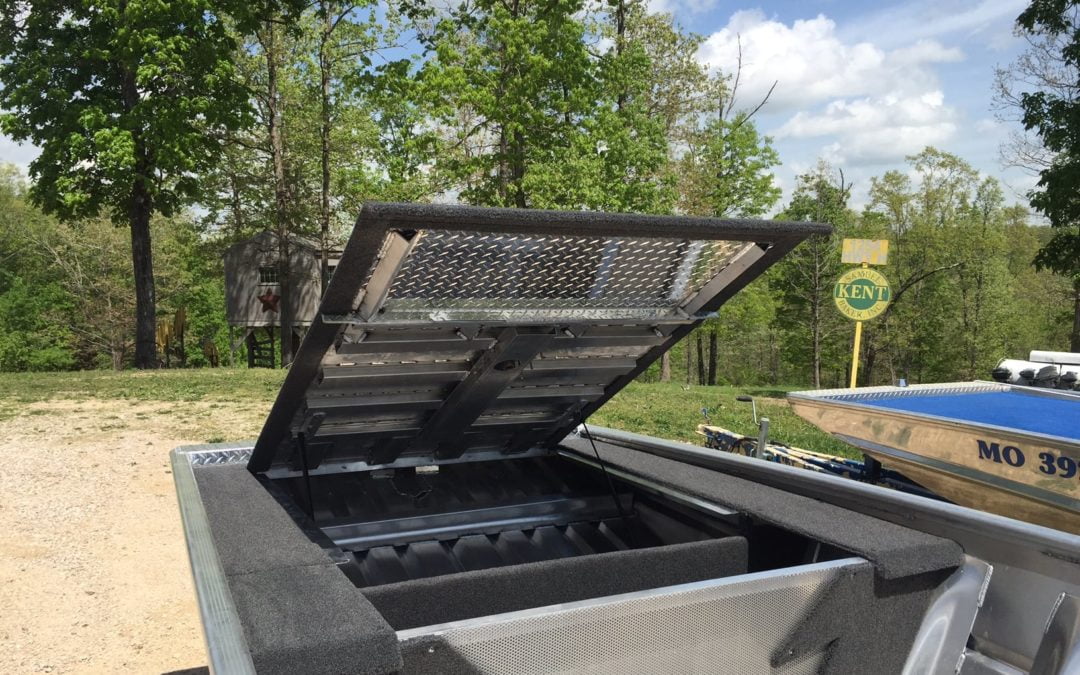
column 855, row 355
column 862, row 293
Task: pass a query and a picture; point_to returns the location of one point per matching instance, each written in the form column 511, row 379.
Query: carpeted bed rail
column 896, row 551
column 299, row 612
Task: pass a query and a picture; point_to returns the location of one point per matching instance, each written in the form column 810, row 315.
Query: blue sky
column 863, row 84
column 859, row 84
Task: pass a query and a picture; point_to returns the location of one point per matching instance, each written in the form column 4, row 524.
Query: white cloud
column 19, row 154
column 811, row 64
column 876, row 129
column 867, row 104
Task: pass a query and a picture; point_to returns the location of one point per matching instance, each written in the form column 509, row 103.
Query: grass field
column 673, row 411
column 666, row 410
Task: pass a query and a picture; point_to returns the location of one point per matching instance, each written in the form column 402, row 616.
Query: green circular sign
column 861, row 294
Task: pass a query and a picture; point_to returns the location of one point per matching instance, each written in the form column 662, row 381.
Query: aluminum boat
column 1007, row 449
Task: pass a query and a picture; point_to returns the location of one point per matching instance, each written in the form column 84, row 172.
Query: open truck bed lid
column 452, row 332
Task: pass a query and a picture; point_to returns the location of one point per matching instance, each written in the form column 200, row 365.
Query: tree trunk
column 281, row 197
column 700, row 359
column 1074, row 342
column 815, row 332
column 689, row 362
column 324, row 141
column 620, row 41
column 518, row 171
column 712, row 359
column 665, row 367
column 866, row 371
column 142, row 262
column 183, row 349
column 237, row 206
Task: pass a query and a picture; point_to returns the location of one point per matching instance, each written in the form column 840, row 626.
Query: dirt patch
column 94, row 574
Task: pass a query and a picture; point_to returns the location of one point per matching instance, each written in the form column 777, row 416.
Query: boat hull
column 1015, row 473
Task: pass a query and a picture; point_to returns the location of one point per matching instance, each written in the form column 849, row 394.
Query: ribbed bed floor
column 418, row 560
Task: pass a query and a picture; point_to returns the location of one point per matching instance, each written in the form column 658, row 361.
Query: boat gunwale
column 842, row 397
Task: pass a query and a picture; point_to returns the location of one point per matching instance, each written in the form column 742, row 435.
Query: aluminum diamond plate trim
column 211, row 454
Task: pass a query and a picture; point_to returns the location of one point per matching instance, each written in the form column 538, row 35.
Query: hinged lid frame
column 507, row 336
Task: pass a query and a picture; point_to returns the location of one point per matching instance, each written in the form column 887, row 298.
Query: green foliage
column 954, row 301
column 66, row 291
column 1053, row 115
column 727, row 170
column 191, row 279
column 746, row 337
column 376, row 142
column 33, row 306
column 114, row 92
column 814, row 333
column 532, row 118
column 33, row 335
column 507, row 82
column 1049, row 73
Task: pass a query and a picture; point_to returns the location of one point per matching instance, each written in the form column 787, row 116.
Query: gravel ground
column 94, row 575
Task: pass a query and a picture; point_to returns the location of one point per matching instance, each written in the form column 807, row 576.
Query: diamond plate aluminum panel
column 729, row 625
column 223, row 456
column 472, row 275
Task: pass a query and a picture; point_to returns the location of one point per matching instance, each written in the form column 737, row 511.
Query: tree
column 90, row 261
column 725, row 173
column 34, row 332
column 270, row 38
column 125, row 99
column 506, row 80
column 1044, row 85
column 532, row 114
column 726, row 170
column 191, row 284
column 945, row 267
column 805, row 277
column 317, row 147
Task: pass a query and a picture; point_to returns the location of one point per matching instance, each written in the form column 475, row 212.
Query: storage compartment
column 454, row 542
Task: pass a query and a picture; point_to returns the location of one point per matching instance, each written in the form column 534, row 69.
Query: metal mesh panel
column 480, row 275
column 722, row 626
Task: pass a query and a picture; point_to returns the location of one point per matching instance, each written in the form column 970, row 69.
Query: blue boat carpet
column 1013, row 409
